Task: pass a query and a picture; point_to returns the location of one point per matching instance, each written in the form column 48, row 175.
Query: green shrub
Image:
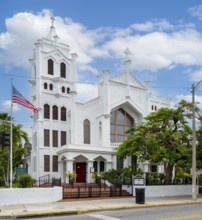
column 155, row 178
column 25, row 181
column 200, row 179
column 117, row 177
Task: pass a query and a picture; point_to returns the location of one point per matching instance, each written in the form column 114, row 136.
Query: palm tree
column 20, row 137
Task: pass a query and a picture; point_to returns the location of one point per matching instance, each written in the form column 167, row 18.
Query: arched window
column 63, row 70
column 100, row 130
column 134, row 162
column 63, row 89
column 46, row 111
column 120, row 121
column 50, row 67
column 63, row 114
column 102, row 166
column 55, row 112
column 68, row 90
column 95, row 166
column 119, row 163
column 51, row 86
column 86, row 130
column 45, row 85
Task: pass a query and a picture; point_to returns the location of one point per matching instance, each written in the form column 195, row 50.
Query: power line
column 95, row 83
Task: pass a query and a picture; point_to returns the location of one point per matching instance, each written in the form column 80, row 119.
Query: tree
column 199, row 148
column 163, row 137
column 19, row 138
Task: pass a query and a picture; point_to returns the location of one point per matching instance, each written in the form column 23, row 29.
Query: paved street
column 117, row 208
column 182, row 212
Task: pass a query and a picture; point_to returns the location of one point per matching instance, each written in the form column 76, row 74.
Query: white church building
column 68, row 136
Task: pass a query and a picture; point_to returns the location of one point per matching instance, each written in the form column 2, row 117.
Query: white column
column 146, row 167
column 60, row 170
column 69, row 167
column 114, row 162
column 89, row 178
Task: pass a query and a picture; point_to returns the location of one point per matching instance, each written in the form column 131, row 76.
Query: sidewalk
column 76, row 206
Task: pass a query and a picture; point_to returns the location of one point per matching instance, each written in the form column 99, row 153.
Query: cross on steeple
column 52, row 21
column 127, row 61
column 52, row 35
column 127, row 53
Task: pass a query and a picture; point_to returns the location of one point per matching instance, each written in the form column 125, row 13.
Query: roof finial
column 127, row 61
column 127, row 53
column 52, row 21
column 52, row 35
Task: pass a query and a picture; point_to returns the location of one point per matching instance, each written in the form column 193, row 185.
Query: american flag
column 18, row 98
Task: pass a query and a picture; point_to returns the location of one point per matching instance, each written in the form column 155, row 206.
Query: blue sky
column 163, row 36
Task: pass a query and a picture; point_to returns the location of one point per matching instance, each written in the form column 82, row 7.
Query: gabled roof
column 125, row 77
column 58, row 53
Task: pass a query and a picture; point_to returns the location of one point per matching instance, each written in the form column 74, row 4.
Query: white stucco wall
column 168, row 190
column 29, row 195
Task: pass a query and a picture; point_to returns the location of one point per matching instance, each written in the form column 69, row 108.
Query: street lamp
column 194, row 87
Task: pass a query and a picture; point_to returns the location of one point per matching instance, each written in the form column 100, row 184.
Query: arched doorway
column 80, row 168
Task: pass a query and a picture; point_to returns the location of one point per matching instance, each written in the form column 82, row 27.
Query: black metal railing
column 44, row 181
column 91, row 191
column 150, row 182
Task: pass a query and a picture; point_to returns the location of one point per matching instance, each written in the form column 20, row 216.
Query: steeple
column 52, row 35
column 127, row 61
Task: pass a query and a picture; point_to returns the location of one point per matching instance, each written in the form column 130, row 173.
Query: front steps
column 87, row 190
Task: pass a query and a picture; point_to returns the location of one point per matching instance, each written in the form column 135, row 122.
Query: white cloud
column 157, row 50
column 17, row 43
column 154, row 25
column 7, row 107
column 86, row 92
column 196, row 11
column 198, row 99
column 160, row 44
column 196, row 76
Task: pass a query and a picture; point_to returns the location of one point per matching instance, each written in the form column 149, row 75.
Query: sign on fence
column 138, row 180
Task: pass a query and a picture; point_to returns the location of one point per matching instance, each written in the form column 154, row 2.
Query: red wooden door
column 81, row 172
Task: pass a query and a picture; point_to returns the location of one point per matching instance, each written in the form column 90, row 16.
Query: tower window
column 46, row 138
column 45, row 85
column 46, row 111
column 46, row 163
column 63, row 70
column 55, row 138
column 50, row 67
column 86, row 128
column 68, row 90
column 55, row 163
column 55, row 112
column 51, row 86
column 63, row 89
column 63, row 114
column 63, row 138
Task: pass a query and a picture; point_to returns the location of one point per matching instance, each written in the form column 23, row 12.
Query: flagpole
column 11, row 137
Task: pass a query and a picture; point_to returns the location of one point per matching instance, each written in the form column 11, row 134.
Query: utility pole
column 193, row 146
column 194, row 194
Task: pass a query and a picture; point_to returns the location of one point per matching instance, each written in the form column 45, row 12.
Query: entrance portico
column 83, row 167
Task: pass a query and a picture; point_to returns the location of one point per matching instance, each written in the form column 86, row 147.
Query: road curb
column 44, row 213
column 35, row 214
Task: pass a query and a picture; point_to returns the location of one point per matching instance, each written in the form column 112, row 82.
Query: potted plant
column 71, row 176
column 97, row 177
